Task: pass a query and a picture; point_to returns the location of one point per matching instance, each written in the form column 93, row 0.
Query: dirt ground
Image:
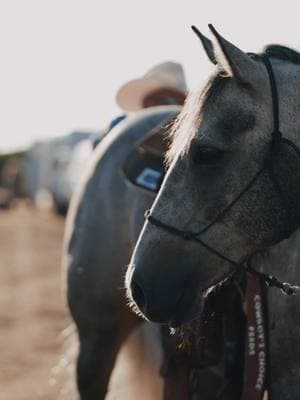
column 37, row 341
column 33, row 316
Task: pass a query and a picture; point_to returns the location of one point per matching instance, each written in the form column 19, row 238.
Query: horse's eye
column 206, row 155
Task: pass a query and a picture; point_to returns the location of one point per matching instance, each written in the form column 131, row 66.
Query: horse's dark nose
column 158, row 301
column 138, row 295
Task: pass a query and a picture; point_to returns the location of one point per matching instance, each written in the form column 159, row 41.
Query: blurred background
column 62, row 63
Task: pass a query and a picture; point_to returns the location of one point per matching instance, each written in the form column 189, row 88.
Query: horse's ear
column 232, row 60
column 207, row 45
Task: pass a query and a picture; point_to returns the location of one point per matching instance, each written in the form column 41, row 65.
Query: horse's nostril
column 138, row 295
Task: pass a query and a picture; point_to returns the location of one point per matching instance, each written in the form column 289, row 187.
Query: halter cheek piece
column 268, row 165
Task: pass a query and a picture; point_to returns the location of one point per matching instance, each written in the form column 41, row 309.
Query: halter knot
column 276, row 142
column 147, row 214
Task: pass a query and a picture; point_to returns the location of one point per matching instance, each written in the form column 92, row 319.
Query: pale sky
column 63, row 60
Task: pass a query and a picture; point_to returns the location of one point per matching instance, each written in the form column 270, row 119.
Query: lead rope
column 272, row 281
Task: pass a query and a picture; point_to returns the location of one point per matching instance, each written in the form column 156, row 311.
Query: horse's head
column 228, row 180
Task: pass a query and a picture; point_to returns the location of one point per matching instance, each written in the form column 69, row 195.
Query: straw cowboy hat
column 168, row 75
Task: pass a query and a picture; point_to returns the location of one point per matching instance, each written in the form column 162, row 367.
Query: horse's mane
column 282, row 53
column 184, row 128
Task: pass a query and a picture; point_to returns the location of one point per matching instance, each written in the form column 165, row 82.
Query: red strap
column 256, row 341
column 176, row 385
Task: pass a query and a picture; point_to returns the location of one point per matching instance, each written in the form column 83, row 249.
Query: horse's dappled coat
column 211, row 159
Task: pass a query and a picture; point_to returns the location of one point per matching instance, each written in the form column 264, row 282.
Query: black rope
column 272, row 281
column 187, row 235
column 277, row 135
column 292, row 145
column 275, row 182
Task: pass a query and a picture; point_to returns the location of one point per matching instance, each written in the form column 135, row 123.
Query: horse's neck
column 283, row 261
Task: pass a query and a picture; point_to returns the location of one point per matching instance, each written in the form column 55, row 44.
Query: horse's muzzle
column 164, row 304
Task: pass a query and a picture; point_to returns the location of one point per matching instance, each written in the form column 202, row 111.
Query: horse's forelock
column 186, row 125
column 183, row 128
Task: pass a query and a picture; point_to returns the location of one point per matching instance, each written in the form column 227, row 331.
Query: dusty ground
column 37, row 350
column 32, row 309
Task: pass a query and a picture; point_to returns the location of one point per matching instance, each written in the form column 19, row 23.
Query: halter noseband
column 275, row 143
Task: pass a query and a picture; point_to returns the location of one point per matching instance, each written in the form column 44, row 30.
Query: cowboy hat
column 168, row 75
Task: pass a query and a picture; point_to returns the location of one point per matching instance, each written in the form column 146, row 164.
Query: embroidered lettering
column 261, row 370
column 251, row 341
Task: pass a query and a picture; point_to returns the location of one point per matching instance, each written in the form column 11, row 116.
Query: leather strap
column 256, row 352
column 176, row 382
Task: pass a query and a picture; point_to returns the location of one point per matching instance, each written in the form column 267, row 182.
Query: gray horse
column 104, row 221
column 223, row 154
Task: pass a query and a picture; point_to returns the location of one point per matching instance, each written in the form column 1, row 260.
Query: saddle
column 145, row 167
